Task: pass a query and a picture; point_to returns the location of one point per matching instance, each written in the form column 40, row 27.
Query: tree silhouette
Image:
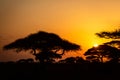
column 114, row 35
column 43, row 45
column 109, row 35
column 102, row 51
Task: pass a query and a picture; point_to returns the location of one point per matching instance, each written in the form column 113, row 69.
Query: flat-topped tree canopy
column 41, row 42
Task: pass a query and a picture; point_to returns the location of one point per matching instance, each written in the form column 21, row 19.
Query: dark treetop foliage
column 114, row 43
column 109, row 35
column 43, row 45
column 115, row 35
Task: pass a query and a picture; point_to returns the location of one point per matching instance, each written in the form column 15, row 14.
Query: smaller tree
column 101, row 52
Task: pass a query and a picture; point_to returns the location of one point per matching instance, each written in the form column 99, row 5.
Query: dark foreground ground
column 35, row 71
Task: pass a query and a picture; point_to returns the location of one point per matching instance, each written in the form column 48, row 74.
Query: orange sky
column 74, row 20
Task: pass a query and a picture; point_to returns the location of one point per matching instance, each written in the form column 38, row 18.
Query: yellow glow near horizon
column 96, row 45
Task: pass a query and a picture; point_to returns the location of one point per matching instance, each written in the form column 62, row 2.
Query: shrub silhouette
column 72, row 60
column 43, row 45
column 29, row 60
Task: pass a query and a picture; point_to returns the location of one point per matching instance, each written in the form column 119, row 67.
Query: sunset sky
column 74, row 20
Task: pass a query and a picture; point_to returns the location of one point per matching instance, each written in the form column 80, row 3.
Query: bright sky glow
column 95, row 45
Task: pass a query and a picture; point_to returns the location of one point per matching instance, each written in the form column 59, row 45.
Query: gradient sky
column 74, row 20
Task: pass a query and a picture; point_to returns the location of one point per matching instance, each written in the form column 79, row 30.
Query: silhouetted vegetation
column 29, row 60
column 43, row 45
column 109, row 35
column 98, row 54
column 115, row 36
column 47, row 47
column 114, row 43
column 72, row 60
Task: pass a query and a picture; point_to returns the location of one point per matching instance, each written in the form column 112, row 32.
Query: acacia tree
column 102, row 51
column 43, row 45
column 114, row 35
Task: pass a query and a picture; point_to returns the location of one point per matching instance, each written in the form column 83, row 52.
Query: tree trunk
column 101, row 59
